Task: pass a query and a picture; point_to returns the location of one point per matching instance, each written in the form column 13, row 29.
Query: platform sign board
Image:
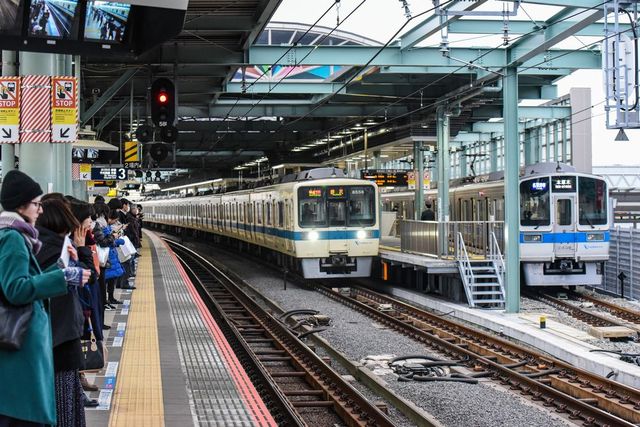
column 64, row 109
column 386, row 177
column 9, row 110
column 109, row 174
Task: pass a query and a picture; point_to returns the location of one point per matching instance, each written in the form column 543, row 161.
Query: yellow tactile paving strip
column 137, row 400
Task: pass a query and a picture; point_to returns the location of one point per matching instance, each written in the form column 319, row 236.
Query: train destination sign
column 563, row 184
column 386, row 177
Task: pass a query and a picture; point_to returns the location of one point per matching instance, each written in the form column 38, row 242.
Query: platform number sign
column 64, row 109
column 109, row 174
column 9, row 110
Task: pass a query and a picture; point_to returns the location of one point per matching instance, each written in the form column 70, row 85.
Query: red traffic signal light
column 163, row 103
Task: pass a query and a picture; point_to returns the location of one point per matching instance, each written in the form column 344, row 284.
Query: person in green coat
column 27, row 396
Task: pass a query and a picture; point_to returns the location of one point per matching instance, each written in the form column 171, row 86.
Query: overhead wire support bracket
column 439, row 10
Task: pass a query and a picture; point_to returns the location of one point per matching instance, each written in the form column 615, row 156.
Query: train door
column 564, row 226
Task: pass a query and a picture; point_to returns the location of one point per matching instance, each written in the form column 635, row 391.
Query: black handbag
column 93, row 353
column 14, row 323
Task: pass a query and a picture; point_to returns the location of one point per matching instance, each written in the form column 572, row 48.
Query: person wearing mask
column 27, row 396
column 90, row 294
column 103, row 241
column 114, row 271
column 67, row 317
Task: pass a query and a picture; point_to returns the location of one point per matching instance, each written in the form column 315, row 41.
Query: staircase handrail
column 463, row 256
column 496, row 256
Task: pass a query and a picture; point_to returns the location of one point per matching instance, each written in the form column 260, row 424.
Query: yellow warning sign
column 131, row 152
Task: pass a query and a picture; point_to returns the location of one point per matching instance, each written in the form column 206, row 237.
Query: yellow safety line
column 137, row 400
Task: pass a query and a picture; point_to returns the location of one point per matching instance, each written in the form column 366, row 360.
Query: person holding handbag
column 67, row 314
column 27, row 397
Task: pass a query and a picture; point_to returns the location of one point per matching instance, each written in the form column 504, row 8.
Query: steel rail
column 252, row 323
column 576, row 312
column 614, row 309
column 583, row 396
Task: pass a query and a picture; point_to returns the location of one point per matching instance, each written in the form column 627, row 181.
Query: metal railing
column 624, row 247
column 438, row 239
column 495, row 255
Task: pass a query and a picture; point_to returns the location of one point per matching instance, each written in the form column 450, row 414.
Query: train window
column 337, row 213
column 249, row 213
column 268, row 212
column 362, row 206
column 563, row 211
column 592, row 199
column 311, row 205
column 281, row 214
column 534, row 202
column 259, row 212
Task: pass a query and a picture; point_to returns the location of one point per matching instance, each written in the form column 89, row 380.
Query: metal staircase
column 483, row 279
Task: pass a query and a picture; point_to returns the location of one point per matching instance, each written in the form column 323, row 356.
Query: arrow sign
column 64, row 133
column 6, row 133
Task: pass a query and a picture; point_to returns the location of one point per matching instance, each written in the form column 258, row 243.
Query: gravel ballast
column 358, row 336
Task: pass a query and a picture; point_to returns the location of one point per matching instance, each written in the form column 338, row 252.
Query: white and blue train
column 323, row 225
column 565, row 219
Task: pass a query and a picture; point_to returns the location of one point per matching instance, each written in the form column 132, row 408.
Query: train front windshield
column 534, row 202
column 337, row 206
column 592, row 199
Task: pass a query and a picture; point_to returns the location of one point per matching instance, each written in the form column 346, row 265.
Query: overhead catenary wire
column 464, row 92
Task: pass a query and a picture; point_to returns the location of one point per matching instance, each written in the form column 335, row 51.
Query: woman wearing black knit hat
column 29, row 370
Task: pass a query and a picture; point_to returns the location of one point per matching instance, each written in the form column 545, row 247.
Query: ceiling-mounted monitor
column 106, row 21
column 53, row 19
column 10, row 16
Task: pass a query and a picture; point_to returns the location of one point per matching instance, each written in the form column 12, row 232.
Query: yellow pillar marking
column 137, row 400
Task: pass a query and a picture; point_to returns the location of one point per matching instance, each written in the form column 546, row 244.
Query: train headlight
column 595, row 237
column 313, row 235
column 533, row 238
column 361, row 234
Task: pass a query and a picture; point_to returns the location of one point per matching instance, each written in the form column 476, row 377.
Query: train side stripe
column 580, row 237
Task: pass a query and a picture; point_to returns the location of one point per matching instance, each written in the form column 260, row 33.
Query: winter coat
column 67, row 318
column 133, row 231
column 26, row 375
column 114, row 270
column 103, row 240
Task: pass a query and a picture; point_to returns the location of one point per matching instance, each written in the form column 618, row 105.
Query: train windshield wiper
column 583, row 215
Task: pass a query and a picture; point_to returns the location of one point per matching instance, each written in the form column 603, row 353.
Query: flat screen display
column 52, row 18
column 9, row 13
column 106, row 21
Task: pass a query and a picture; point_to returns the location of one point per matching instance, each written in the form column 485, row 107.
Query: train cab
column 337, row 232
column 564, row 229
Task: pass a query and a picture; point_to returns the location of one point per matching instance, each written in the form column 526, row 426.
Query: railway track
column 295, row 383
column 623, row 313
column 574, row 311
column 584, row 397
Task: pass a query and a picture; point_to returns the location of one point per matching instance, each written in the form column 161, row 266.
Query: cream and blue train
column 324, row 227
column 565, row 219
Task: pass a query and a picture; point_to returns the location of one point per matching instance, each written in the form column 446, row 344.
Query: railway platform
column 168, row 362
column 390, row 252
column 557, row 339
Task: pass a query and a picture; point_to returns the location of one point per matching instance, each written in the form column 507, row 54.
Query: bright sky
column 381, row 19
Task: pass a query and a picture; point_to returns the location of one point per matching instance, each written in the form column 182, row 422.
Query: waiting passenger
column 67, row 317
column 27, row 394
column 428, row 214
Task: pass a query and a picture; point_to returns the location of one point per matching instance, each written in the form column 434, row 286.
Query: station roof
column 251, row 90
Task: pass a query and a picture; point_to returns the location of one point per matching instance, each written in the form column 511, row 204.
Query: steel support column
column 418, row 167
column 511, row 190
column 442, row 133
column 36, row 159
column 8, row 150
column 62, row 152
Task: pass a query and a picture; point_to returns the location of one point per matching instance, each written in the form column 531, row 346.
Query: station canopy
column 254, row 90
